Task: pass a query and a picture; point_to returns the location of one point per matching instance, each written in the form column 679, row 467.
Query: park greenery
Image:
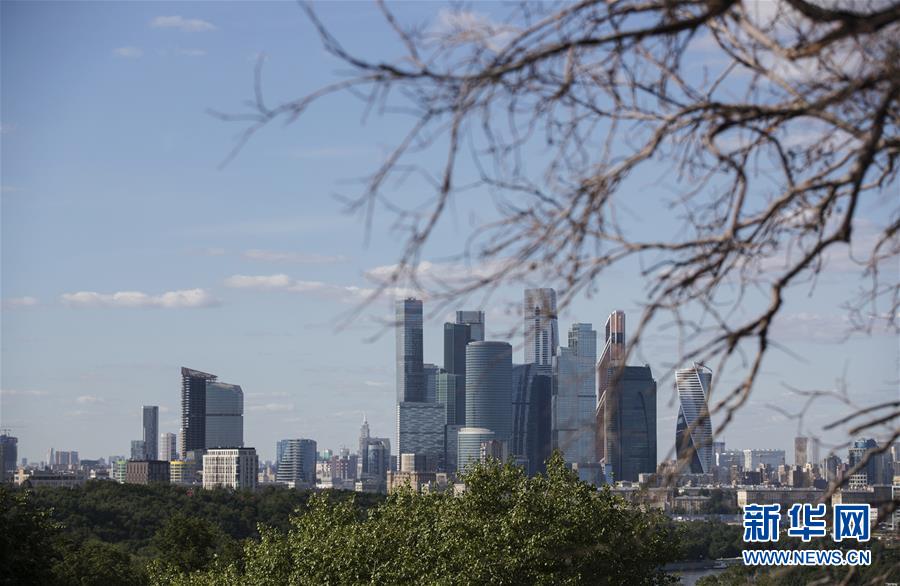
column 505, row 528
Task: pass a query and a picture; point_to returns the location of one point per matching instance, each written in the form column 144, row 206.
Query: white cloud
column 280, row 281
column 187, row 25
column 372, row 383
column 128, row 52
column 20, row 302
column 187, row 298
column 272, row 407
column 21, row 393
column 291, row 257
column 88, row 400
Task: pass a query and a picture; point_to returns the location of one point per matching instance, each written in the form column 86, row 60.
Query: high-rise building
column 612, row 358
column 151, row 431
column 168, row 446
column 574, row 396
column 430, row 372
column 224, row 415
column 693, row 432
column 420, row 431
column 801, row 451
column 9, row 450
column 378, row 455
column 451, row 392
column 541, row 328
column 410, row 375
column 469, row 445
column 456, row 336
column 234, row 468
column 193, row 409
column 62, row 459
column 628, row 429
column 297, row 463
column 147, row 472
column 771, row 459
column 489, row 388
column 877, row 468
column 138, row 450
column 363, row 452
column 531, row 406
column 475, row 321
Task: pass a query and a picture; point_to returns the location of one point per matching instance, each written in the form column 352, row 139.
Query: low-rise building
column 146, row 471
column 53, row 478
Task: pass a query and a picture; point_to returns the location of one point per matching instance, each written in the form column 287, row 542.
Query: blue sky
column 111, row 184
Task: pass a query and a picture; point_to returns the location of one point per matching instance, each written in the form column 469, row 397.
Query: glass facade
column 469, row 445
column 420, row 430
column 297, row 462
column 630, row 423
column 693, row 431
column 151, row 432
column 541, row 328
column 489, row 387
column 475, row 321
column 410, row 375
column 574, row 396
column 193, row 409
column 451, row 391
column 531, row 406
column 224, row 416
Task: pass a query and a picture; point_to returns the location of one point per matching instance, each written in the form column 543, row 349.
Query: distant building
column 876, row 467
column 430, row 373
column 574, row 396
column 772, row 459
column 801, row 451
column 183, row 472
column 62, row 459
column 420, row 430
column 168, row 444
column 532, row 421
column 541, row 327
column 693, row 432
column 297, row 465
column 146, row 471
column 32, row 478
column 118, row 470
column 234, row 468
column 469, row 445
column 138, row 450
column 628, row 408
column 193, row 409
column 786, row 497
column 450, row 391
column 224, row 415
column 475, row 322
column 410, row 373
column 9, row 449
column 489, row 388
column 150, row 414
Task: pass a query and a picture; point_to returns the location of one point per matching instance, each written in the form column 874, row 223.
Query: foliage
column 709, row 540
column 27, row 540
column 504, row 529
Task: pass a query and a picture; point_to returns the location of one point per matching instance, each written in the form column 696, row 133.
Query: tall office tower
column 9, row 458
column 489, row 388
column 410, row 375
column 612, row 356
column 430, row 372
column 378, row 455
column 801, row 451
column 138, row 450
column 297, row 465
column 475, row 321
column 574, row 396
column 193, row 409
column 693, row 432
column 541, row 328
column 456, row 336
column 628, row 430
column 450, row 390
column 771, row 459
column 420, row 430
column 363, row 452
column 224, row 415
column 151, row 432
column 235, row 468
column 877, row 470
column 531, row 406
column 469, row 445
column 168, row 446
column 832, row 468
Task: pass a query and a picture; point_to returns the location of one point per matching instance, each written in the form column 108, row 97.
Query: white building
column 230, row 468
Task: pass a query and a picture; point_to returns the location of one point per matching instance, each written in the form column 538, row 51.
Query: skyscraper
column 193, row 409
column 420, row 431
column 168, row 447
column 693, row 432
column 475, row 321
column 541, row 328
column 363, row 452
column 450, row 390
column 612, row 358
column 297, row 464
column 629, row 425
column 801, row 451
column 574, row 396
column 456, row 336
column 410, row 375
column 430, row 372
column 531, row 417
column 151, row 432
column 489, row 388
column 469, row 445
column 224, row 415
column 138, row 450
column 9, row 458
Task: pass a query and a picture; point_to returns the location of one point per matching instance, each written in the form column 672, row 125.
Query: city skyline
column 130, row 254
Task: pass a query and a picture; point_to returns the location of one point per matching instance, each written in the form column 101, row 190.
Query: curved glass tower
column 693, row 433
column 489, row 387
column 469, row 446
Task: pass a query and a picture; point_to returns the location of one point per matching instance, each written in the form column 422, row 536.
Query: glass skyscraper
column 629, row 426
column 541, row 327
column 151, row 431
column 469, row 445
column 224, row 415
column 475, row 321
column 574, row 396
column 693, row 431
column 420, row 430
column 193, row 409
column 410, row 375
column 489, row 388
column 531, row 417
column 297, row 462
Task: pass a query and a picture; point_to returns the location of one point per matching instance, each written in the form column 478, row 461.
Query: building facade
column 410, row 375
column 541, row 327
column 469, row 445
column 150, row 414
column 693, row 431
column 168, row 446
column 420, row 431
column 224, row 426
column 532, row 417
column 234, row 468
column 474, row 319
column 297, row 463
column 628, row 428
column 489, row 387
column 147, row 472
column 193, row 409
column 574, row 396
